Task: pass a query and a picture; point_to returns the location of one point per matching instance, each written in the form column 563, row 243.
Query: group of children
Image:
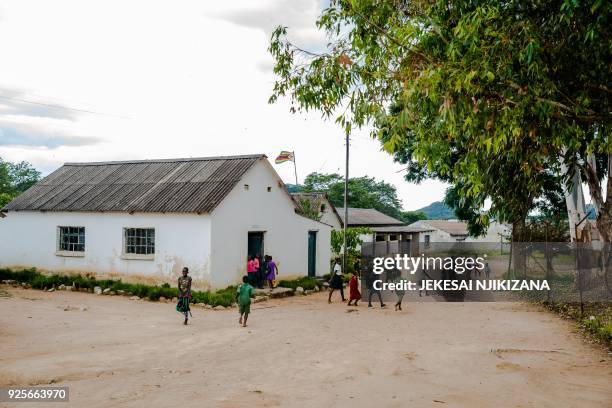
column 254, row 276
column 244, row 293
column 260, row 271
column 336, row 283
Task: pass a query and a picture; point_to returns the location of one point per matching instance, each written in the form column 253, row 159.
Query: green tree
column 491, row 96
column 310, row 208
column 353, row 239
column 15, row 178
column 412, row 216
column 364, row 192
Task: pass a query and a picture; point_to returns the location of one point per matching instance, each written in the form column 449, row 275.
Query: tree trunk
column 519, row 259
column 604, row 221
column 604, row 217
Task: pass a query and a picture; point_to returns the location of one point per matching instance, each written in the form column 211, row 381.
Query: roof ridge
column 168, row 160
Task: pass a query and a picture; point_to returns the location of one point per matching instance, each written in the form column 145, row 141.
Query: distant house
column 368, row 217
column 146, row 220
column 320, row 203
column 383, row 226
column 455, row 231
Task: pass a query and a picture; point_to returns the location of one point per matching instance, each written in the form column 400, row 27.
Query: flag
column 284, row 156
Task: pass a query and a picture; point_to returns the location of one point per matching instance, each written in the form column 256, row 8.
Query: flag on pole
column 284, row 156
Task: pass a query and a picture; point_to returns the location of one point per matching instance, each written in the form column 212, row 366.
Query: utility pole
column 346, row 220
column 295, row 170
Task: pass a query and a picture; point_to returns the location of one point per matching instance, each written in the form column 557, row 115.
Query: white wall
column 329, row 217
column 438, row 235
column 30, row 239
column 256, row 209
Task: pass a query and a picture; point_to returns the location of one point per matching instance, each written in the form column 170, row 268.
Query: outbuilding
column 145, row 220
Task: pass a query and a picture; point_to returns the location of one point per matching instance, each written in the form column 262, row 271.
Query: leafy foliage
column 491, row 97
column 306, row 282
column 15, row 178
column 310, row 208
column 412, row 216
column 353, row 239
column 364, row 192
column 223, row 297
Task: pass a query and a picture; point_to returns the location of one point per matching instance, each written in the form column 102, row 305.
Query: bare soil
column 297, row 352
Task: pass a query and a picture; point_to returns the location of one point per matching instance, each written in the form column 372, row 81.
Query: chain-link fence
column 486, row 271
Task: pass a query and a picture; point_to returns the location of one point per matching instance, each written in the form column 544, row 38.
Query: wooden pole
column 295, row 170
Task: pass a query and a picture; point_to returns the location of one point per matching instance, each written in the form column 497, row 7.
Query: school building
column 147, row 219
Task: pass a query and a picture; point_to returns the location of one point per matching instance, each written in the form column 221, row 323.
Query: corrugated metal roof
column 451, row 227
column 170, row 185
column 401, row 229
column 367, row 217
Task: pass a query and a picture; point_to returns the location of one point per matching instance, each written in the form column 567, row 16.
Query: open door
column 256, row 244
column 312, row 253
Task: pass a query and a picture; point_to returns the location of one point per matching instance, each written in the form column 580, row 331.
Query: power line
column 49, row 105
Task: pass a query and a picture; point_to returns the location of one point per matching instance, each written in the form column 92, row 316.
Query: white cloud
column 167, row 79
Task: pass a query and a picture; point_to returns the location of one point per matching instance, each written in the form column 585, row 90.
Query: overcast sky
column 158, row 79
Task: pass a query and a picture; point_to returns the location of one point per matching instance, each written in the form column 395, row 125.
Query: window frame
column 136, row 256
column 67, row 252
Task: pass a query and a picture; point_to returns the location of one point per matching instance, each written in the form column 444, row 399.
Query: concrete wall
column 30, row 239
column 272, row 212
column 329, row 216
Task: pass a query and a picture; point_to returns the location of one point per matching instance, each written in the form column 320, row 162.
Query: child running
column 354, row 293
column 244, row 293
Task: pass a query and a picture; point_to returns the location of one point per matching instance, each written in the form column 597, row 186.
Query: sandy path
column 298, row 352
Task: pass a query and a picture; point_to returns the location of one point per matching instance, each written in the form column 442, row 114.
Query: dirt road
column 297, row 352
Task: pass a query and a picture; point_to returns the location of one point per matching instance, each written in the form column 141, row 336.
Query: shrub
column 223, row 297
column 305, row 282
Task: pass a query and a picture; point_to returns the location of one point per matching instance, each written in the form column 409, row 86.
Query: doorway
column 312, row 253
column 256, row 244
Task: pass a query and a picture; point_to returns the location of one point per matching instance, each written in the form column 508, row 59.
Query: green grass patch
column 596, row 319
column 223, row 297
column 305, row 282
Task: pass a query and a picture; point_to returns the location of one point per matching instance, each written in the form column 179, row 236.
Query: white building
column 374, row 220
column 146, row 220
column 432, row 231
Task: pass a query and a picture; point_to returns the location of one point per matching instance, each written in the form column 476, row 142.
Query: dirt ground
column 298, row 352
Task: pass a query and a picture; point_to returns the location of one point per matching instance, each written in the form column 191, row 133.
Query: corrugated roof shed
column 367, row 217
column 194, row 185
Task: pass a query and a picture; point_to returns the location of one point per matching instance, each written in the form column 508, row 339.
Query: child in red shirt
column 354, row 293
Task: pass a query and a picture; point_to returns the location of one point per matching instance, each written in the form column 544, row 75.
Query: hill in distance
column 438, row 211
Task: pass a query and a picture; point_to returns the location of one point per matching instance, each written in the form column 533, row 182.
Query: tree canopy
column 492, row 97
column 15, row 178
column 364, row 192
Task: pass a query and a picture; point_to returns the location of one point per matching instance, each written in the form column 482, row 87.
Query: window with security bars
column 72, row 239
column 140, row 241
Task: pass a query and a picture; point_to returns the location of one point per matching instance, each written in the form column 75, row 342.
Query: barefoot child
column 354, row 293
column 244, row 293
column 184, row 288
